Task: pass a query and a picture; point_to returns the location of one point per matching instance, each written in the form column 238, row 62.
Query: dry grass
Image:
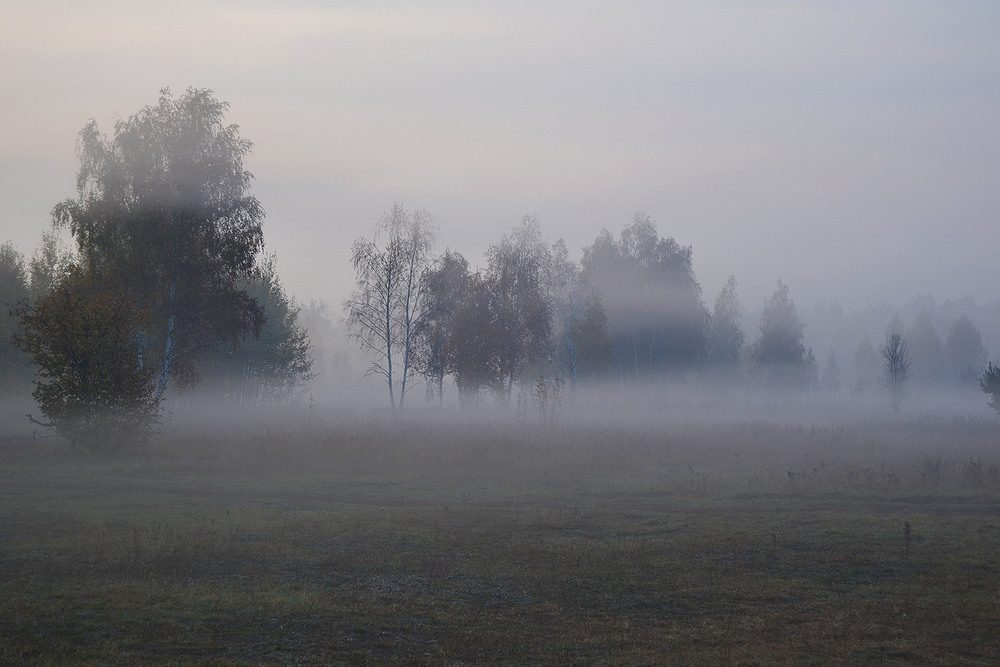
column 492, row 543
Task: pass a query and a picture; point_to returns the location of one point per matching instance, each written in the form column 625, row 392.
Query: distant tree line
column 627, row 317
column 167, row 285
column 915, row 359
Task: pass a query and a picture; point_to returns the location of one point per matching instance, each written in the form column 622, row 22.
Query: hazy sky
column 851, row 149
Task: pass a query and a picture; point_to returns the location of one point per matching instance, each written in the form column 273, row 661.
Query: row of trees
column 960, row 357
column 167, row 281
column 167, row 285
column 630, row 314
column 486, row 329
column 958, row 360
column 919, row 357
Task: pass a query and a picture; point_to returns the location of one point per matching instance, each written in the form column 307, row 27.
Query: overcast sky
column 851, row 149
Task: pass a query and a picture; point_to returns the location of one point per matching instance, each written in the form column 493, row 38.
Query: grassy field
column 370, row 543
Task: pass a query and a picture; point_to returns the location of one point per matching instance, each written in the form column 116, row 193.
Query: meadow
column 364, row 541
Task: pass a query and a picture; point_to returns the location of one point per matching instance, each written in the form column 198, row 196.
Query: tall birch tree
column 390, row 279
column 164, row 215
column 447, row 284
column 516, row 274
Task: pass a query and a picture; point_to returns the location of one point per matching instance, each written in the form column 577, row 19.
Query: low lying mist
column 660, row 407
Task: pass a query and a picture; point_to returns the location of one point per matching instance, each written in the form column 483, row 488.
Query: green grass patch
column 424, row 543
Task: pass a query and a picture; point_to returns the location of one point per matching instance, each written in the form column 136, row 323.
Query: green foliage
column 273, row 366
column 487, row 331
column 567, row 293
column 779, row 353
column 13, row 277
column 593, row 344
column 990, row 384
column 15, row 370
column 475, row 344
column 516, row 268
column 445, row 285
column 780, row 342
column 725, row 334
column 93, row 386
column 656, row 319
column 49, row 262
column 164, row 214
